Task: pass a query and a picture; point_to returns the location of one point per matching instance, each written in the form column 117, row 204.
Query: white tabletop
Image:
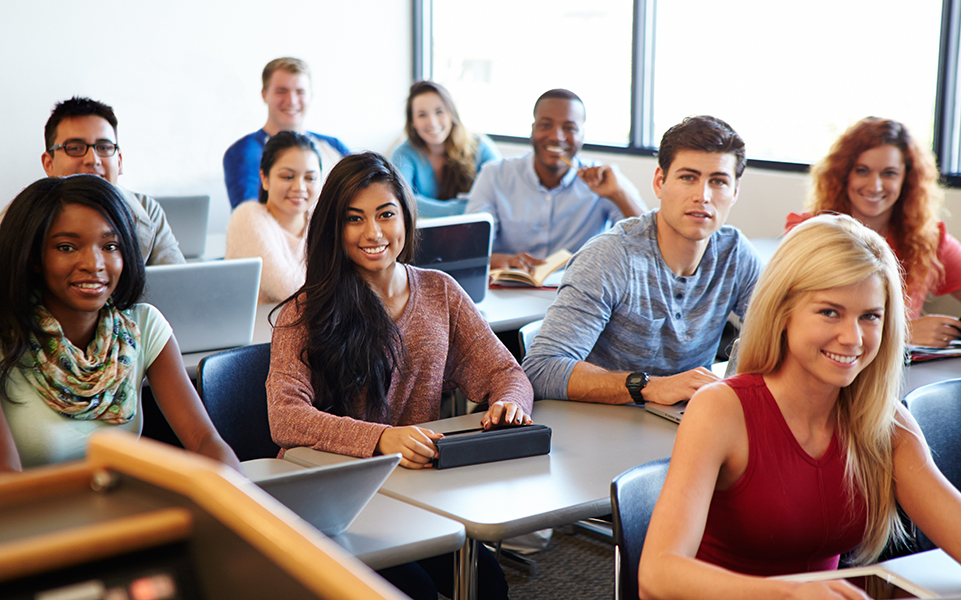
column 387, row 532
column 509, row 309
column 930, row 371
column 591, row 444
column 933, row 570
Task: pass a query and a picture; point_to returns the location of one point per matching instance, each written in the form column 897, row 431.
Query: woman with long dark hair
column 74, row 343
column 274, row 227
column 441, row 157
column 363, row 352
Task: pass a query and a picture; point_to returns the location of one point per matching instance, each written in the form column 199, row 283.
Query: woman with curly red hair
column 879, row 174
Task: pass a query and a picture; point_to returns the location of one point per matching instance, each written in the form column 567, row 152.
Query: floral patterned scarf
column 92, row 385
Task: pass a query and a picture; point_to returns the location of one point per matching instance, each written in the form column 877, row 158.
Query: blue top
column 242, row 162
column 620, row 306
column 530, row 218
column 417, row 170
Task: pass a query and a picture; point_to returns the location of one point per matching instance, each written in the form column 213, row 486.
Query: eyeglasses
column 78, row 148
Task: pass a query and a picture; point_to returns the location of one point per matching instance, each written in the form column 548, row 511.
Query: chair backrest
column 527, row 334
column 633, row 496
column 937, row 409
column 232, row 386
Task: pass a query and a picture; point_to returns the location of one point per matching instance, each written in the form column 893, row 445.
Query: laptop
column 460, row 246
column 674, row 412
column 210, row 305
column 331, row 497
column 187, row 216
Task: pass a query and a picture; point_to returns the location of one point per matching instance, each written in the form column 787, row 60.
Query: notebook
column 210, row 305
column 459, row 246
column 674, row 412
column 187, row 216
column 331, row 497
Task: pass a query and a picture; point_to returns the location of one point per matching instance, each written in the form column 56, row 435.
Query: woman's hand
column 505, row 413
column 415, row 445
column 935, row 330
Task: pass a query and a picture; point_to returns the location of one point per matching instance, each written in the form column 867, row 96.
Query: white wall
column 765, row 199
column 184, row 79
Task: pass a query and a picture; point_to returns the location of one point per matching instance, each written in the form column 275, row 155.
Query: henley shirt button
column 679, row 295
column 677, row 315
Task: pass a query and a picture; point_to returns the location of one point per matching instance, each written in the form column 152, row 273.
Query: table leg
column 465, row 571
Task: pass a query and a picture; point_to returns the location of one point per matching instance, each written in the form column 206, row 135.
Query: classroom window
column 790, row 77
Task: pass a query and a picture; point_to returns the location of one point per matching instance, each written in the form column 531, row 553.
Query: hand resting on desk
column 935, row 331
column 415, row 445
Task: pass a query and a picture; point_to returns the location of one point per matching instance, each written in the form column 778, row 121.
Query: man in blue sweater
column 641, row 309
column 287, row 94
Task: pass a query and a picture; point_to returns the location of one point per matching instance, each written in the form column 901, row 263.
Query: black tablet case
column 474, row 447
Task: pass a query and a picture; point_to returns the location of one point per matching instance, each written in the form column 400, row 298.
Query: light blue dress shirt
column 530, row 218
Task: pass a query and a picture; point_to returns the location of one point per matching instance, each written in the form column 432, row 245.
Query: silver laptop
column 331, row 497
column 210, row 305
column 461, row 247
column 674, row 412
column 187, row 216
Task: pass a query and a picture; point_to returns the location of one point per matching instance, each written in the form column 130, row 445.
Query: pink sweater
column 448, row 345
column 253, row 231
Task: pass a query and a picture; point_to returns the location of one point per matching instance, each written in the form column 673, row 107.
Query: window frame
column 947, row 117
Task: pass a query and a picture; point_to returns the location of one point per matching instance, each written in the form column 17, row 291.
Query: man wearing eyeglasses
column 81, row 137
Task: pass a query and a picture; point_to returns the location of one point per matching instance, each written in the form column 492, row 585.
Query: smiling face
column 89, row 129
column 293, row 184
column 81, row 264
column 287, row 96
column 431, row 119
column 696, row 195
column 374, row 232
column 832, row 335
column 874, row 185
column 557, row 132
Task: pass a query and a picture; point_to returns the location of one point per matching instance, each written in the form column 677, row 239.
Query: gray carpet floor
column 574, row 565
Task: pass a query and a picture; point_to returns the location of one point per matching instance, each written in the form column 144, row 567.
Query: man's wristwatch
column 635, row 384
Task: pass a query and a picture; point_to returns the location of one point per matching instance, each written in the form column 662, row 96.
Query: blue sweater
column 242, row 163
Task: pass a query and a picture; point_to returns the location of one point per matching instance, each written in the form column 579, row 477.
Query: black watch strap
column 635, row 384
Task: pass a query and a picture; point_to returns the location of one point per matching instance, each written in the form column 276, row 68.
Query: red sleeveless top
column 788, row 513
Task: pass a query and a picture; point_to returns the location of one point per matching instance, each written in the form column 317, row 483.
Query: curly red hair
column 913, row 228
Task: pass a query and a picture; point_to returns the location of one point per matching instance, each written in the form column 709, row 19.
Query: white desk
column 933, row 570
column 387, row 532
column 509, row 309
column 591, row 443
column 930, row 372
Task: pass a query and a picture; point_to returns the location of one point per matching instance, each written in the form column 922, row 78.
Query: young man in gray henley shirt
column 640, row 312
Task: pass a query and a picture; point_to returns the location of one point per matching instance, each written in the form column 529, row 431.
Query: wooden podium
column 144, row 519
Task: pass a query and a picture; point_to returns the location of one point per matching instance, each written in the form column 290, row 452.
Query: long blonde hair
column 825, row 252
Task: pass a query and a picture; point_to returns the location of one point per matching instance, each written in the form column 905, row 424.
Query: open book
column 536, row 278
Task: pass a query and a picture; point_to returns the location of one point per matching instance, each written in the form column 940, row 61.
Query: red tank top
column 788, row 513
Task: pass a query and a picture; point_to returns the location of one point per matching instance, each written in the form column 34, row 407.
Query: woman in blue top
column 440, row 158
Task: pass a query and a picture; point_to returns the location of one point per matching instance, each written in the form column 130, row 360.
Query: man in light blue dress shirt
column 540, row 203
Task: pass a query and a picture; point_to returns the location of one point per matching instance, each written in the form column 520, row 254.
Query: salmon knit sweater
column 448, row 345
